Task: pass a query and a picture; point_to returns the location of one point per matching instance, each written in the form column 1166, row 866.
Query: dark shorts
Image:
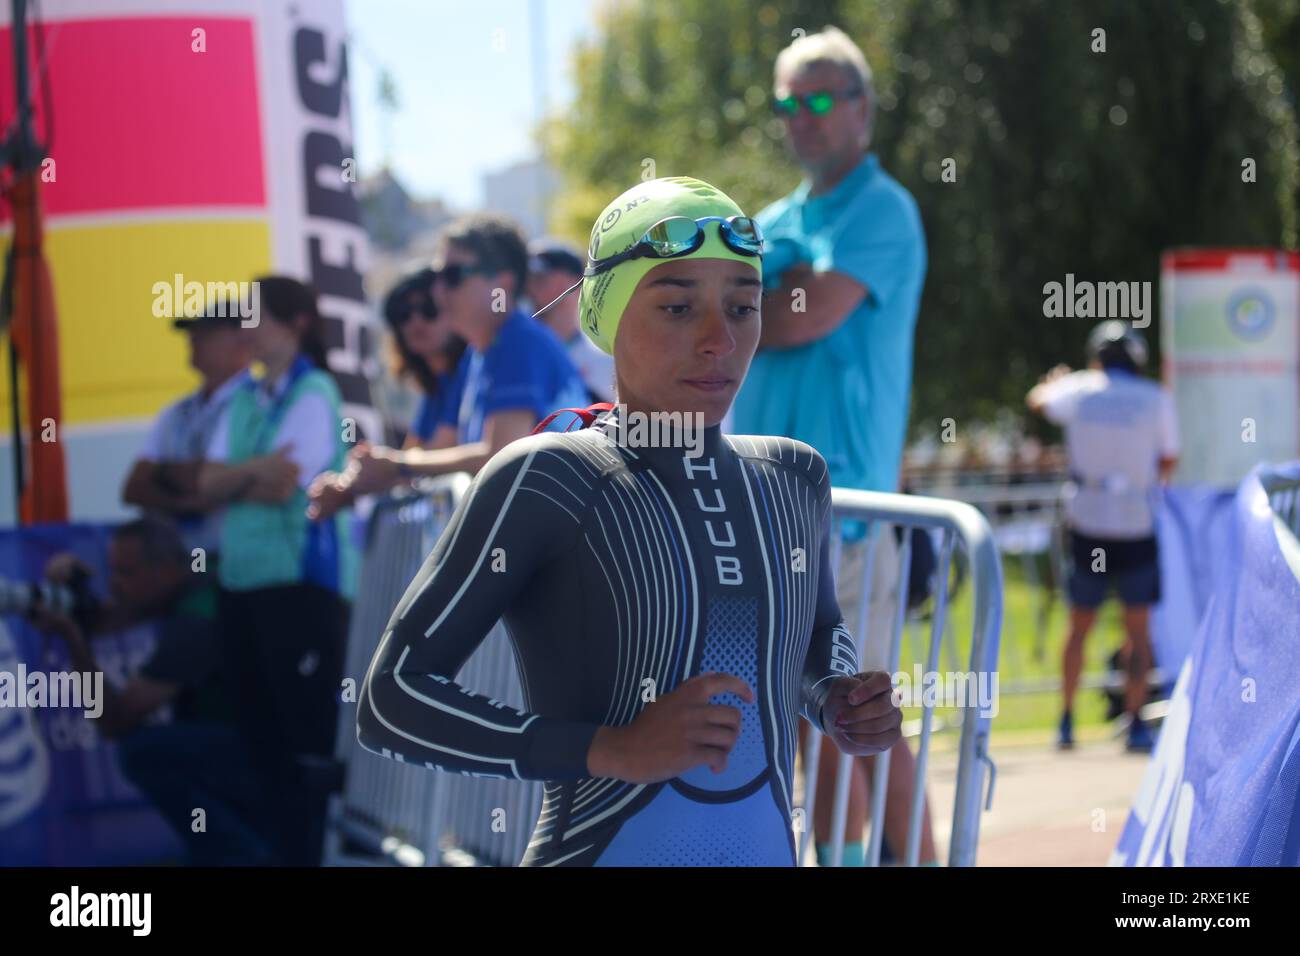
column 1132, row 566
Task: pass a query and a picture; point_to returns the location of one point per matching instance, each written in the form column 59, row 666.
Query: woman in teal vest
column 285, row 580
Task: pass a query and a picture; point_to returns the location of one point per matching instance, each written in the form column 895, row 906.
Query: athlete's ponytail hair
column 285, row 299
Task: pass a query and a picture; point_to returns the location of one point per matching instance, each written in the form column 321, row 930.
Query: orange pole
column 36, row 336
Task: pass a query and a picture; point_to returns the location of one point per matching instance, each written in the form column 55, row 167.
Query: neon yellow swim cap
column 624, row 221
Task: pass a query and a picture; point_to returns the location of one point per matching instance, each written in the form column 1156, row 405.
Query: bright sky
column 464, row 76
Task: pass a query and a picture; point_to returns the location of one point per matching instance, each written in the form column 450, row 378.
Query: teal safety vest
column 265, row 545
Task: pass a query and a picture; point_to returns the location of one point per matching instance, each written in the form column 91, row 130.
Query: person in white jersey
column 1121, row 436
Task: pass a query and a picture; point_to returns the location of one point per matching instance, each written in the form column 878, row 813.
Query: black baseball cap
column 545, row 255
column 218, row 314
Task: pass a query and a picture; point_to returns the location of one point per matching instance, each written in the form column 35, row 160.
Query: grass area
column 1030, row 650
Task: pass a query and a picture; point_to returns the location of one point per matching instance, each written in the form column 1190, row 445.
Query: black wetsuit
column 614, row 567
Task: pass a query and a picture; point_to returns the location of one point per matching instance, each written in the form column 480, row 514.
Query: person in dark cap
column 553, row 267
column 164, row 477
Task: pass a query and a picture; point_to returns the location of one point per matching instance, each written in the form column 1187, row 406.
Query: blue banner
column 63, row 801
column 1221, row 789
column 1190, row 524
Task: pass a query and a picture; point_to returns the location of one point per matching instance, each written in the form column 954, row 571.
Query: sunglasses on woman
column 456, row 273
column 424, row 307
column 819, row 103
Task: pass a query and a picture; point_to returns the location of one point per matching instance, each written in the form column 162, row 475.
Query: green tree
column 1067, row 160
column 683, row 88
column 1280, row 22
column 1072, row 160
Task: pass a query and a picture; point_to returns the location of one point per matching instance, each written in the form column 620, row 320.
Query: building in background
column 523, row 192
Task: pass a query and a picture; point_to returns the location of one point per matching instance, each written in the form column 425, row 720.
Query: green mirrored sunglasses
column 819, row 103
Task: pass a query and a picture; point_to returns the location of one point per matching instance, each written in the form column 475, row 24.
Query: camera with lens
column 75, row 598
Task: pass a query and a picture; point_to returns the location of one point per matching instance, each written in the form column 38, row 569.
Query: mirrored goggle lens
column 672, row 237
column 744, row 234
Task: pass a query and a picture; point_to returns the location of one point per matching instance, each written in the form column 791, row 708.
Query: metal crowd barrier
column 403, row 814
column 1283, row 490
column 393, row 813
column 960, row 525
column 1028, row 522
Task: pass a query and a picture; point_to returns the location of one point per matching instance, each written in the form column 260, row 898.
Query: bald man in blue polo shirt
column 845, row 265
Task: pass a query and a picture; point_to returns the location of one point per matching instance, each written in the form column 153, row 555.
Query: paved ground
column 1049, row 808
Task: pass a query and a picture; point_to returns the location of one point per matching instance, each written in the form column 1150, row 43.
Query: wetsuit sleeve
column 831, row 652
column 410, row 708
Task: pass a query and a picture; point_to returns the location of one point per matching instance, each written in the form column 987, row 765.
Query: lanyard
column 469, row 399
column 199, row 417
column 300, row 367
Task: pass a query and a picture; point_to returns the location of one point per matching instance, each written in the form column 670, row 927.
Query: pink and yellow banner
column 200, row 139
column 155, row 167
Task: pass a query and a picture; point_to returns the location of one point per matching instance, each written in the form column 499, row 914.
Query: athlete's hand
column 860, row 714
column 675, row 733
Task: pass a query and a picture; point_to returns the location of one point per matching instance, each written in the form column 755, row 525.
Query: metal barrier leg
column 812, row 756
column 968, row 803
column 952, row 652
column 812, row 753
column 843, row 775
column 905, row 572
column 880, row 771
column 916, row 811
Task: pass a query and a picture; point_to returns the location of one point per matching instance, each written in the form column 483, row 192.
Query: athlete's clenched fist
column 860, row 715
column 678, row 731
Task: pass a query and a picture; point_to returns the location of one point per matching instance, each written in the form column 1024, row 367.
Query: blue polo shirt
column 432, row 408
column 847, row 394
column 525, row 368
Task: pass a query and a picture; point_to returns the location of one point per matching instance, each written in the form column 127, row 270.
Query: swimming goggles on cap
column 680, row 236
column 673, row 237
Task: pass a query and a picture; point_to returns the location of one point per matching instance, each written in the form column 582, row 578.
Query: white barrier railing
column 395, row 813
column 960, row 524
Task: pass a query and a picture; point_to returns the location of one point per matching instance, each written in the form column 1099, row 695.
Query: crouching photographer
column 197, row 762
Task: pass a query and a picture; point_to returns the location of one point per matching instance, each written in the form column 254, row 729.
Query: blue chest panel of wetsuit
column 621, row 572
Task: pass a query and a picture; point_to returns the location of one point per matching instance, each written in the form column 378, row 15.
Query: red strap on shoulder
column 586, row 415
